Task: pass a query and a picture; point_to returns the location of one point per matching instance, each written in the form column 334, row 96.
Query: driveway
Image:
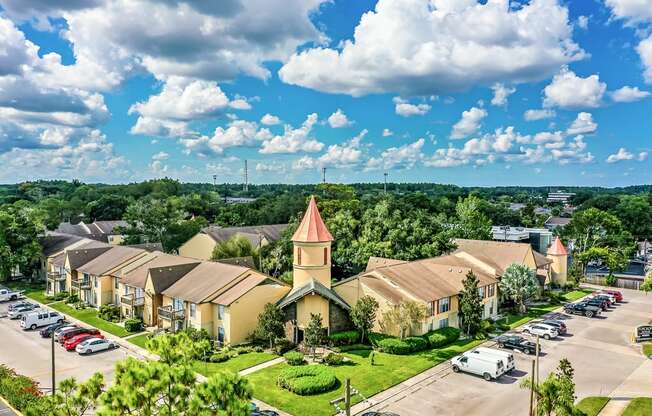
column 30, row 354
column 605, row 363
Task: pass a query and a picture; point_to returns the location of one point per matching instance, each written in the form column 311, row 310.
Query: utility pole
column 537, row 367
column 53, row 367
column 385, row 175
column 246, row 177
column 323, row 175
column 531, row 389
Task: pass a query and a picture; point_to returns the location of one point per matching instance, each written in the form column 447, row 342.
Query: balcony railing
column 167, row 313
column 130, row 299
column 57, row 277
column 81, row 284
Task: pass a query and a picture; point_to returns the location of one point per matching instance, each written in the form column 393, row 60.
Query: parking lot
column 30, row 355
column 606, row 363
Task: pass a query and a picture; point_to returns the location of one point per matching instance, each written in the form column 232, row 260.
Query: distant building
column 239, row 200
column 104, row 231
column 560, row 196
column 630, row 278
column 539, row 238
column 554, row 222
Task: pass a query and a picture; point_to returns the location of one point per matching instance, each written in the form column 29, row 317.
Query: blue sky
column 544, row 92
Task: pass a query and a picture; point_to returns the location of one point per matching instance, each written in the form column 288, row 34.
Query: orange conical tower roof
column 557, row 248
column 312, row 228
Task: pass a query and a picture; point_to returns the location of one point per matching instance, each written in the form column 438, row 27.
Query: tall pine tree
column 470, row 305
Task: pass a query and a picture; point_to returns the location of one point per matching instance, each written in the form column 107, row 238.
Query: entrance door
column 299, row 339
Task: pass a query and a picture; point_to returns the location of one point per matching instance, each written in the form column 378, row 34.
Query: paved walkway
column 615, row 407
column 260, row 366
column 5, row 410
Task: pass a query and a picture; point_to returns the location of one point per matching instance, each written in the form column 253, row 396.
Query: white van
column 507, row 357
column 35, row 319
column 488, row 366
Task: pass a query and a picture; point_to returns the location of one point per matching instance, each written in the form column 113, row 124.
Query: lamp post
column 53, row 367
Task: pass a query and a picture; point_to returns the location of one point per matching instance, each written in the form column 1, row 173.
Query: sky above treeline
column 493, row 92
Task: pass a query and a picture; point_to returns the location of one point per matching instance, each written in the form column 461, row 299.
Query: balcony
column 131, row 300
column 57, row 277
column 81, row 284
column 167, row 313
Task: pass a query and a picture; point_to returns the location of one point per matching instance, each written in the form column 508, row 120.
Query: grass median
column 388, row 370
column 90, row 316
column 235, row 364
column 591, row 406
column 31, row 290
column 641, row 406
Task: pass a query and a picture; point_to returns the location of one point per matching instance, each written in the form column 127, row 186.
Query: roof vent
column 450, row 269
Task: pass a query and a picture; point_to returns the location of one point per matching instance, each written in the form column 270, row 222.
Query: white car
column 33, row 320
column 92, row 345
column 542, row 330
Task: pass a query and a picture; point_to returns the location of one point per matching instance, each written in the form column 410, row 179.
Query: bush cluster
column 58, row 296
column 376, row 337
column 110, row 313
column 220, row 357
column 134, row 325
column 72, row 298
column 338, row 339
column 307, row 379
column 352, row 347
column 402, row 346
column 334, row 359
column 294, row 357
column 441, row 337
column 20, row 391
column 282, row 345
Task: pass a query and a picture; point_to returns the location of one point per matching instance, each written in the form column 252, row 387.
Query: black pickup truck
column 582, row 308
column 515, row 342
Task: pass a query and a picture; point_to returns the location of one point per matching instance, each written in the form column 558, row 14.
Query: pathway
column 260, row 366
column 615, row 407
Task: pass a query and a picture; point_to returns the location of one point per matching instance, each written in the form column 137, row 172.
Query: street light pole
column 53, row 367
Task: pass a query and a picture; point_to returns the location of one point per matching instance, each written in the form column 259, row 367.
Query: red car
column 76, row 332
column 615, row 293
column 71, row 343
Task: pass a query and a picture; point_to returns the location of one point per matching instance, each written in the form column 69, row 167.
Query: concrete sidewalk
column 615, row 407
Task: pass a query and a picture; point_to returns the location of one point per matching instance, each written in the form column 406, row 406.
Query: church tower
column 559, row 256
column 312, row 249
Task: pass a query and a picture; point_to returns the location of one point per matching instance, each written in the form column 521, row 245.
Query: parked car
column 542, row 330
column 77, row 331
column 49, row 330
column 485, row 365
column 517, row 342
column 608, row 298
column 598, row 303
column 582, row 309
column 273, row 413
column 615, row 293
column 34, row 320
column 6, row 294
column 19, row 304
column 95, row 344
column 507, row 357
column 558, row 325
column 18, row 313
column 63, row 330
column 71, row 343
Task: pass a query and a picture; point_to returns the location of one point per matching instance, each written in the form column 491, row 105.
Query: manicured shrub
column 338, row 339
column 402, row 346
column 197, row 334
column 20, row 391
column 258, row 348
column 220, row 357
column 58, row 296
column 282, row 345
column 334, row 359
column 376, row 337
column 352, row 347
column 294, row 357
column 307, row 380
column 243, row 349
column 417, row 343
column 441, row 337
column 110, row 313
column 134, row 325
column 73, row 298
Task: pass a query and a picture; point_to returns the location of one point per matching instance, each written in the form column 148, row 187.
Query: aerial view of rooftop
column 325, row 208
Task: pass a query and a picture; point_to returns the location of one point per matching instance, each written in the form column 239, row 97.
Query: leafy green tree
column 403, row 318
column 20, row 228
column 613, row 258
column 635, row 213
column 363, row 315
column 271, row 323
column 108, row 207
column 470, row 304
column 236, row 246
column 519, row 283
column 77, row 399
column 314, row 333
column 647, row 283
column 470, row 222
column 595, row 228
column 555, row 395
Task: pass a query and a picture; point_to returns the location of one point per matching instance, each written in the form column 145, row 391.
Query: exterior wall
column 199, row 247
column 432, row 322
column 312, row 263
column 116, row 240
column 353, row 290
column 151, row 304
column 338, row 318
column 203, row 317
column 241, row 317
column 559, row 269
column 312, row 304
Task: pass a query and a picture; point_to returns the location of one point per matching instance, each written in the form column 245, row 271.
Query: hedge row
column 338, row 339
column 294, row 357
column 307, row 380
column 442, row 337
column 433, row 339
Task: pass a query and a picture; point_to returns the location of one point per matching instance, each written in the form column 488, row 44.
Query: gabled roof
column 204, row 281
column 238, row 290
column 98, row 230
column 540, row 259
column 54, row 243
column 137, row 277
column 499, row 255
column 376, row 262
column 254, row 233
column 79, row 257
column 313, row 287
column 109, row 260
column 558, row 221
column 557, row 248
column 312, row 228
column 164, row 277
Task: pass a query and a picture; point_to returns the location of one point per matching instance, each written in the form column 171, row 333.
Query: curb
column 6, row 403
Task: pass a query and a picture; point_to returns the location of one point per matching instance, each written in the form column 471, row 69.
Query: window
column 491, row 308
column 492, row 290
column 299, row 256
column 95, row 282
column 220, row 312
column 117, row 283
column 444, row 305
column 193, row 310
column 177, row 304
column 443, row 323
column 220, row 334
column 431, row 308
column 126, row 290
column 481, row 291
column 117, row 299
column 325, row 256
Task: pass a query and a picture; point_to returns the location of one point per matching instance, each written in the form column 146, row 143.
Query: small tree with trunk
column 363, row 315
column 314, row 333
column 555, row 395
column 647, row 284
column 402, row 318
column 519, row 283
column 270, row 324
column 470, row 304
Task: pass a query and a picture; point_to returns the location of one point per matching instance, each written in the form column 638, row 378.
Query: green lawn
column 647, row 349
column 576, row 294
column 591, row 406
column 235, row 364
column 515, row 320
column 139, row 340
column 32, row 291
column 89, row 315
column 388, row 371
column 641, row 406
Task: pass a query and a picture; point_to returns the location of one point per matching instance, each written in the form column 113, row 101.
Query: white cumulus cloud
column 501, row 93
column 628, row 94
column 567, row 90
column 583, row 124
column 538, row 114
column 294, row 140
column 406, row 109
column 338, row 120
column 469, row 123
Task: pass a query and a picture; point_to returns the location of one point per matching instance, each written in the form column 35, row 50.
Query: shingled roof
column 109, row 260
column 313, row 287
column 312, row 228
column 203, row 282
column 253, row 233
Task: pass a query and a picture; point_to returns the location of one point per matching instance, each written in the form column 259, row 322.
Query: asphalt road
column 599, row 349
column 30, row 354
